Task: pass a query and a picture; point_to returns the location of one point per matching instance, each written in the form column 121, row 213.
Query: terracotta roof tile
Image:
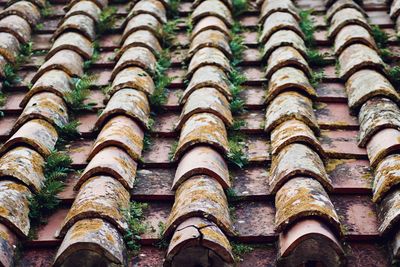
column 216, row 204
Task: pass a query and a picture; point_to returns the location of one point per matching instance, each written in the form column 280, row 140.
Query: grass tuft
column 316, row 78
column 80, row 92
column 394, row 75
column 161, row 80
column 236, row 152
column 67, row 133
column 107, row 20
column 239, row 6
column 239, row 250
column 307, row 26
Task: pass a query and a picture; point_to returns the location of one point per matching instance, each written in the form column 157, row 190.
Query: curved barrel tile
column 210, row 38
column 9, row 46
column 284, row 38
column 100, row 197
column 23, row 9
column 279, row 21
column 366, row 84
column 72, row 41
column 151, row 7
column 382, row 144
column 202, row 160
column 210, row 23
column 270, row 7
column 389, row 212
column 55, row 81
column 303, row 197
column 129, row 102
column 287, row 106
column 208, row 56
column 202, row 128
column 111, row 161
column 375, row 115
column 206, row 100
column 132, row 77
column 342, row 4
column 16, row 26
column 214, row 8
column 83, row 7
column 198, row 242
column 387, row 176
column 66, row 60
column 46, row 106
column 142, row 22
column 141, row 38
column 294, row 131
column 208, row 76
column 100, row 3
column 200, row 196
column 353, row 34
column 94, row 241
column 344, row 17
column 83, row 24
column 122, row 132
column 36, row 133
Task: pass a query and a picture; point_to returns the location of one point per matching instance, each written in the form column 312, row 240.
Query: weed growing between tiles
column 79, row 93
column 163, row 242
column 134, row 216
column 42, row 204
column 239, row 250
column 67, row 133
column 47, row 11
column 161, row 80
column 316, row 78
column 172, row 151
column 394, row 76
column 107, row 20
column 381, row 40
column 236, row 154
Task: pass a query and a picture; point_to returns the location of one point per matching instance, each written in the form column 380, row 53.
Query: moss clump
column 134, row 216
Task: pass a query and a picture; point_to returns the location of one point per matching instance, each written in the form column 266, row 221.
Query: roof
column 295, row 164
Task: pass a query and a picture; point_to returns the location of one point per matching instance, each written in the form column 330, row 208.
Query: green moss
column 161, row 81
column 239, row 6
column 316, row 78
column 307, row 26
column 107, row 20
column 239, row 250
column 134, row 216
column 380, row 36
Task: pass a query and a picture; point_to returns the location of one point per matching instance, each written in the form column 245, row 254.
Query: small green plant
column 237, row 106
column 25, row 52
column 95, row 56
column 236, row 152
column 161, row 80
column 147, row 142
column 237, row 124
column 56, row 169
column 134, row 215
column 380, row 36
column 189, row 25
column 394, row 75
column 237, row 47
column 316, row 78
column 236, row 79
column 315, row 58
column 107, row 19
column 80, row 92
column 173, row 10
column 337, row 67
column 239, row 6
column 239, row 250
column 162, row 243
column 171, row 153
column 386, row 54
column 39, row 26
column 67, row 133
column 10, row 75
column 231, row 194
column 307, row 26
column 169, row 32
column 47, row 10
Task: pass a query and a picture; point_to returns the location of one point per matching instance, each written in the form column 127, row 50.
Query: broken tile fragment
column 389, row 212
column 210, row 38
column 46, row 106
column 310, row 240
column 202, row 160
column 376, row 114
column 196, row 242
column 287, row 78
column 290, row 105
column 14, row 202
column 72, row 41
column 112, row 161
column 279, row 21
column 365, row 84
column 142, row 38
column 382, row 144
column 294, row 131
column 123, row 132
column 357, row 57
column 284, row 38
column 38, row 134
column 286, row 56
column 352, row 34
column 151, row 7
column 135, row 57
column 206, row 99
column 100, row 197
column 16, row 26
column 23, row 9
column 208, row 76
column 303, row 197
column 128, row 102
column 203, row 128
column 83, row 24
column 270, row 7
column 387, row 176
column 208, row 56
column 210, row 23
column 24, row 165
column 212, row 8
column 297, row 160
column 200, row 196
column 9, row 46
column 344, row 17
column 141, row 22
column 132, row 77
column 66, row 60
column 55, row 81
column 106, row 243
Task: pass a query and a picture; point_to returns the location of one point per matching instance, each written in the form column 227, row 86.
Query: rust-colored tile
column 251, row 181
column 79, row 152
column 158, row 153
column 335, row 116
column 342, row 144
